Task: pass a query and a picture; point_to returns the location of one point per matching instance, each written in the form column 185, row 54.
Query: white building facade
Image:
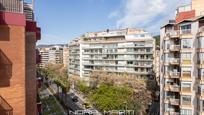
column 119, row 51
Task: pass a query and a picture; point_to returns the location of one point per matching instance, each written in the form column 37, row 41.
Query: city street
column 73, row 106
column 50, row 104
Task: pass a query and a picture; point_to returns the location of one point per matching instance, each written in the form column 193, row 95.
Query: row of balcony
column 177, row 33
column 103, row 53
column 118, row 47
column 177, row 88
column 119, row 59
column 175, row 48
column 176, row 61
column 173, row 88
column 185, row 76
column 172, row 101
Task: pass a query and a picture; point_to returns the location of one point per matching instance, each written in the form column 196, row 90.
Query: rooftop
column 116, row 32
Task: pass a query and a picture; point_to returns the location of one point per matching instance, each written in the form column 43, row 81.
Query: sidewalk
column 62, row 109
column 50, row 103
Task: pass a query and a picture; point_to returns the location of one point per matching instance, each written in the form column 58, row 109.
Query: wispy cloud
column 148, row 14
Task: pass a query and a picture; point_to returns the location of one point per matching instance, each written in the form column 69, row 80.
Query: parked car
column 75, row 99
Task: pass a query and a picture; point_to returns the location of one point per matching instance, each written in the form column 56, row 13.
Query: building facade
column 18, row 36
column 54, row 54
column 157, row 64
column 65, row 56
column 181, row 82
column 119, row 51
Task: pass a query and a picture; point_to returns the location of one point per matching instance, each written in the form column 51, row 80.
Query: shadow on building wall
column 5, row 70
column 4, row 30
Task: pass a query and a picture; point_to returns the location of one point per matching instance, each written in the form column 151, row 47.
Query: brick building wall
column 12, row 44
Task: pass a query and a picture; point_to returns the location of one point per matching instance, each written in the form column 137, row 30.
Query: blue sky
column 63, row 20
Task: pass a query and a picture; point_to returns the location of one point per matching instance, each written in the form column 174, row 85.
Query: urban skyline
column 115, row 64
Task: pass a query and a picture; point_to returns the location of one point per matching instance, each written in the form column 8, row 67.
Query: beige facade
column 181, row 71
column 197, row 5
column 119, row 51
column 65, row 56
column 54, row 54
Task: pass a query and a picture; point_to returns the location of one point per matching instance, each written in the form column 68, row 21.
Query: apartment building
column 156, row 64
column 65, row 56
column 119, row 51
column 44, row 53
column 182, row 57
column 54, row 54
column 18, row 36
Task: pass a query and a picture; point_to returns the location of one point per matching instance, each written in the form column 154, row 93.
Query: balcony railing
column 5, row 108
column 202, row 93
column 187, row 103
column 175, row 47
column 201, row 29
column 186, row 76
column 174, row 74
column 171, row 113
column 11, row 6
column 186, row 90
column 173, row 88
column 174, row 61
column 173, row 33
column 186, row 62
column 174, row 101
column 185, row 31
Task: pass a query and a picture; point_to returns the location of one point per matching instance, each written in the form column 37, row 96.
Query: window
column 167, row 45
column 129, row 62
column 186, row 100
column 186, row 85
column 186, row 56
column 186, row 71
column 186, row 112
column 186, row 29
column 186, row 43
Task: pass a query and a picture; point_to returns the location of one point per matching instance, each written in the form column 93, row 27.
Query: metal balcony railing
column 11, row 6
column 201, row 29
column 171, row 113
column 5, row 108
column 174, row 61
column 174, row 74
column 186, row 76
column 175, row 47
column 185, row 31
column 173, row 33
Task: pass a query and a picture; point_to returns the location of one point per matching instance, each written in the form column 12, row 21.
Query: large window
column 185, row 85
column 186, row 72
column 186, row 56
column 186, row 29
column 186, row 43
column 186, row 100
column 186, row 112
